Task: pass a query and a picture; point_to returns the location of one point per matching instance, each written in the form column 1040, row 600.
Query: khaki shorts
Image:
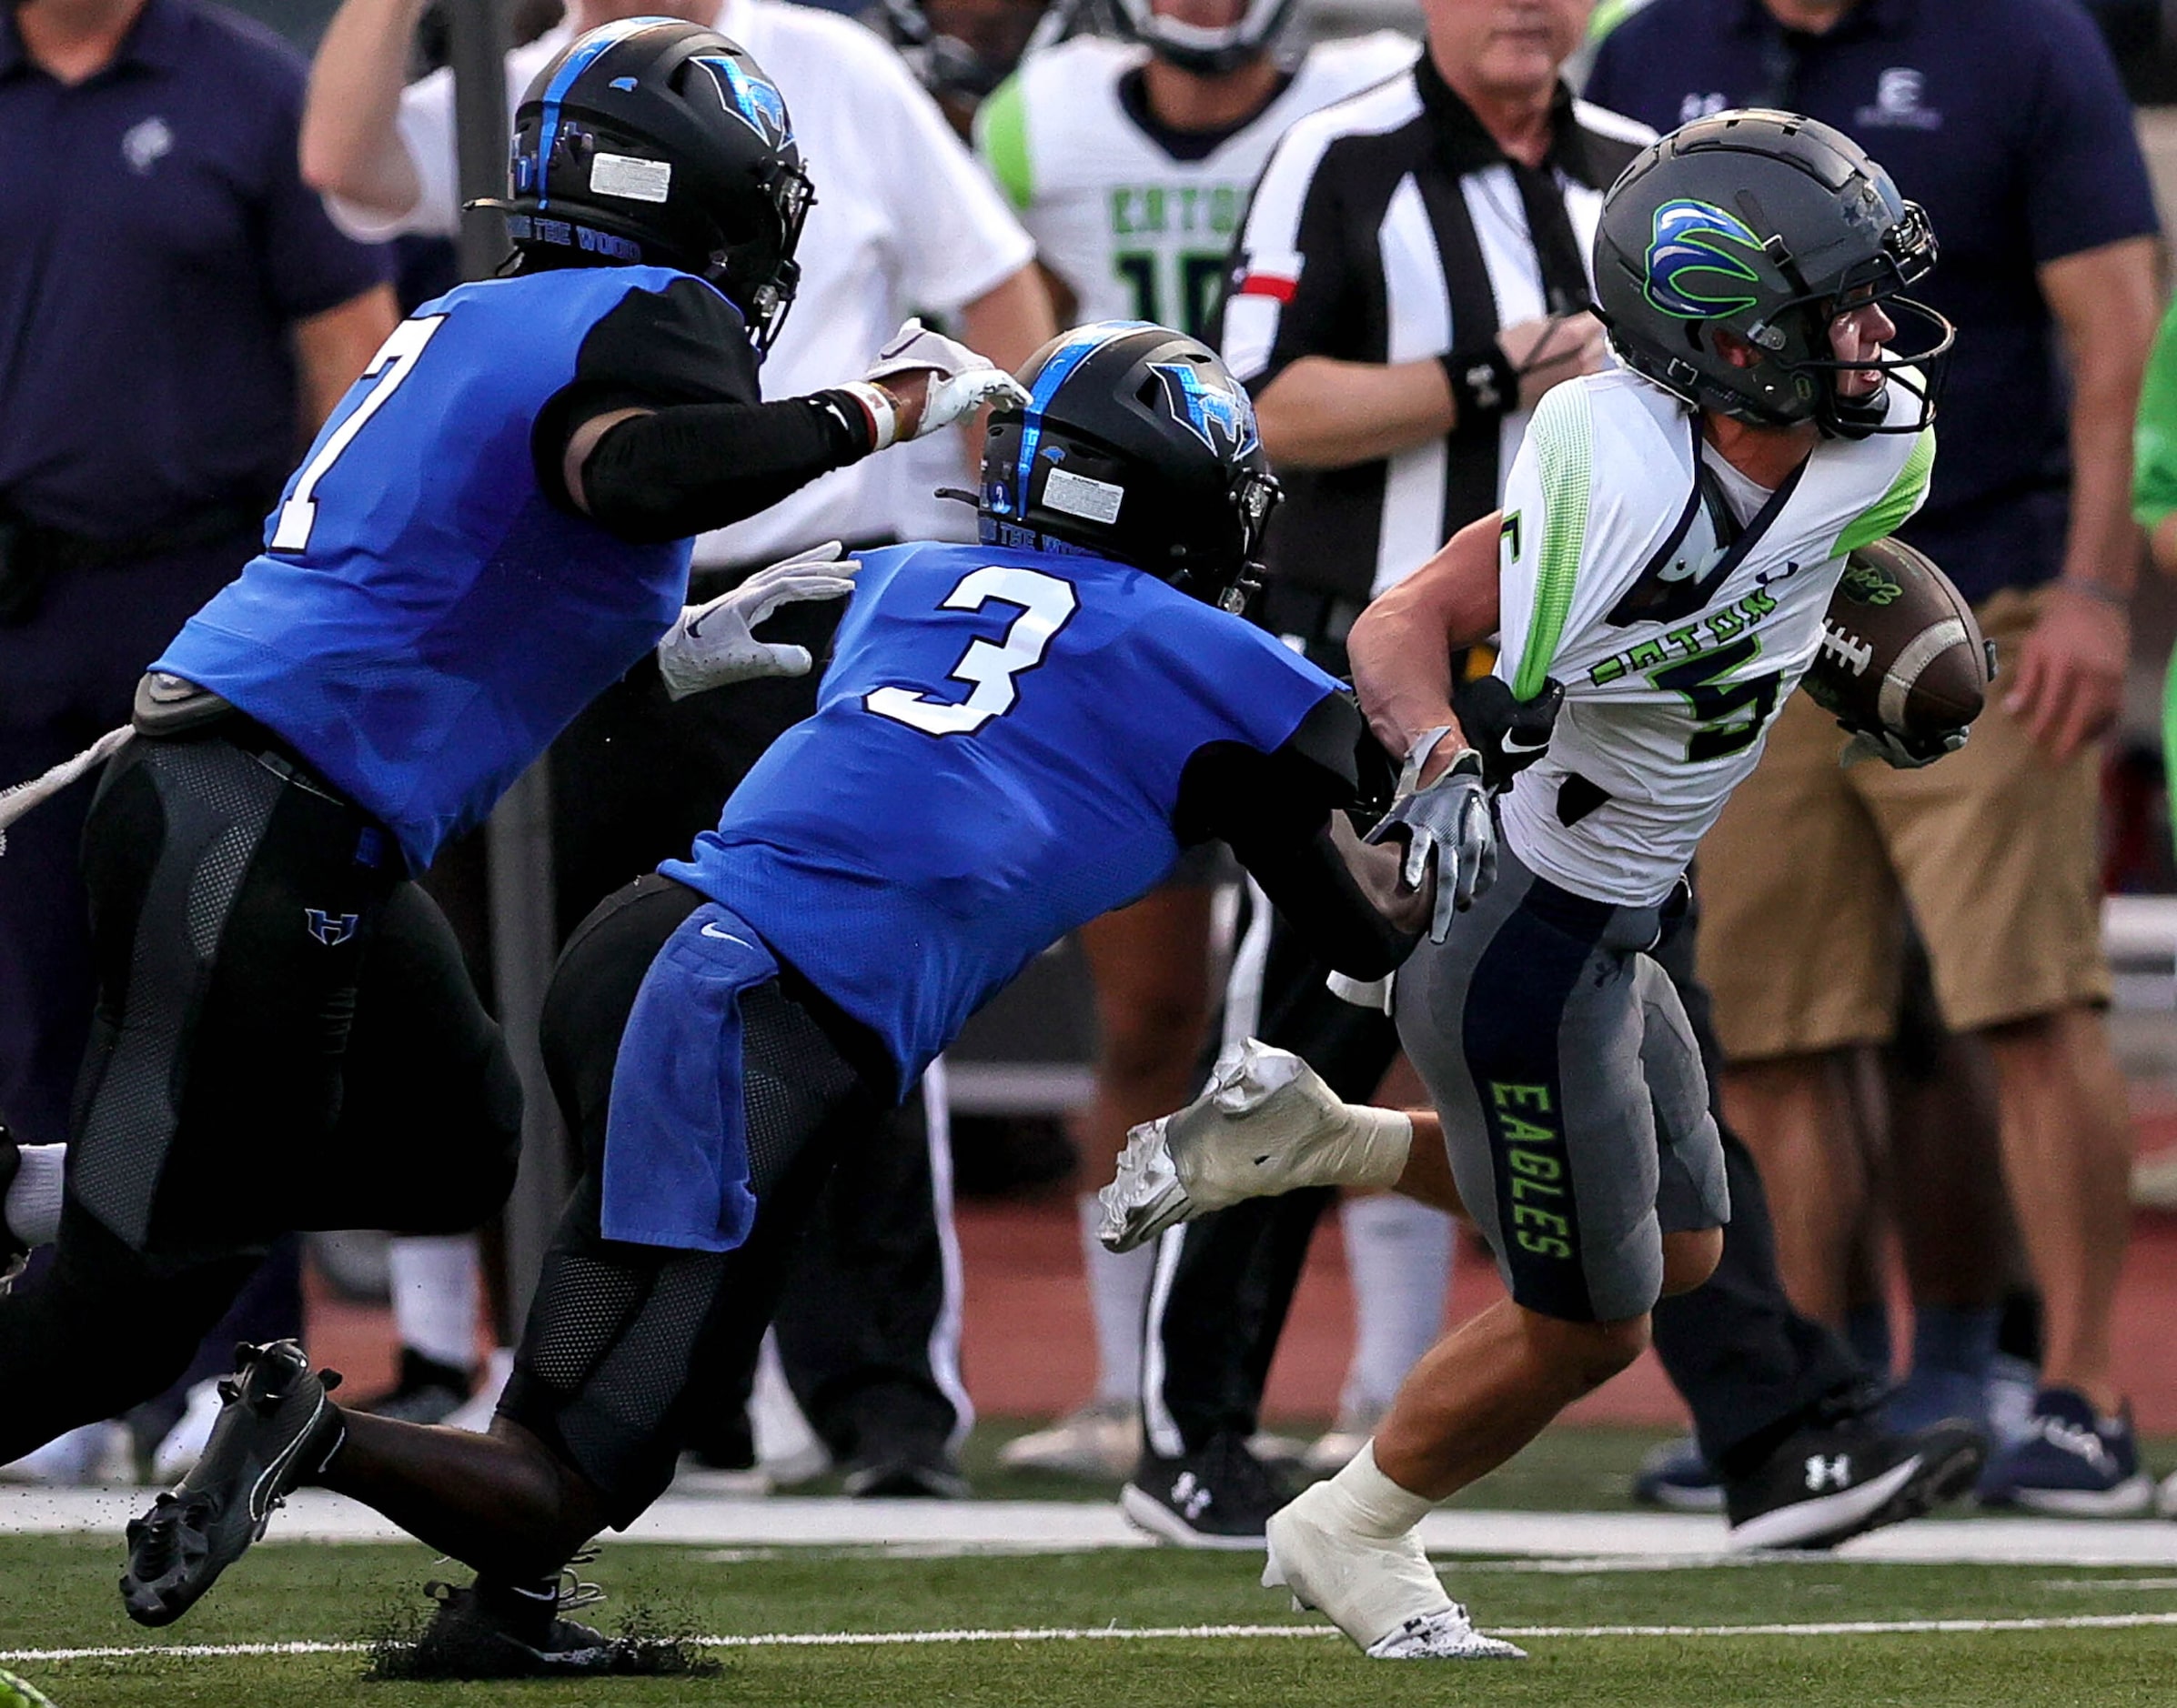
column 1805, row 880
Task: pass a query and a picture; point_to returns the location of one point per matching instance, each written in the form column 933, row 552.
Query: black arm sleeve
column 710, row 452
column 1274, row 809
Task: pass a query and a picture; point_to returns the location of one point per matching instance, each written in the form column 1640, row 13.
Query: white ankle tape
column 33, row 1206
column 1374, row 1505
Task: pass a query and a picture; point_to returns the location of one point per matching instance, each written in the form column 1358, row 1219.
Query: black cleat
column 1219, row 1496
column 496, row 1629
column 1823, row 1486
column 276, row 1428
column 427, row 1393
column 905, row 1476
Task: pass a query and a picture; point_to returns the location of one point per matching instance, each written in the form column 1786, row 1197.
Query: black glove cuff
column 1485, row 385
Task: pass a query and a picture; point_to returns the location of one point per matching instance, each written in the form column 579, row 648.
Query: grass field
column 1689, row 1643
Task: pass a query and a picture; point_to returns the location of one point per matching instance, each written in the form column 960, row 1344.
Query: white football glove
column 960, row 382
column 712, row 645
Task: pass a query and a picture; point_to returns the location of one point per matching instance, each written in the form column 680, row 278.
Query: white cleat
column 1268, row 1124
column 1101, row 1441
column 1381, row 1593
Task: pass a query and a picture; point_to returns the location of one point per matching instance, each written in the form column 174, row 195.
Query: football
column 1899, row 649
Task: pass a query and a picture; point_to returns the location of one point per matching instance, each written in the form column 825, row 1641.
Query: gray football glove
column 1901, row 753
column 1447, row 829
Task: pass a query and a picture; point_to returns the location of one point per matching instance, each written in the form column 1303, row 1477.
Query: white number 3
column 1046, row 603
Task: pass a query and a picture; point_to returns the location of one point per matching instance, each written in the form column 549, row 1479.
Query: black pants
column 1747, row 1363
column 285, row 1039
column 863, row 1327
column 627, row 1345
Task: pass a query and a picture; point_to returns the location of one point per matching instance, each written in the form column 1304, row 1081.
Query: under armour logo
column 332, row 929
column 1189, row 1495
column 1481, row 380
column 1829, row 1473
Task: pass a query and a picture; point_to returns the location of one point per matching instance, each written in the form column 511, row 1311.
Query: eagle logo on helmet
column 752, row 100
column 1221, row 416
column 1697, row 266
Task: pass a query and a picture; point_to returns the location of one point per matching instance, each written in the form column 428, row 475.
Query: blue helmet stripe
column 586, row 54
column 1079, row 346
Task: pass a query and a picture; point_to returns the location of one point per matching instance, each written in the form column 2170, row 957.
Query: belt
column 30, row 554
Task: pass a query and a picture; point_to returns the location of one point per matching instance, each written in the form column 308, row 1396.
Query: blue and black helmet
column 1136, row 444
column 1766, row 225
column 657, row 141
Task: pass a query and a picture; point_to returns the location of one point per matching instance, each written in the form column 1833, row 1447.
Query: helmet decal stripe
column 1078, row 346
column 1693, row 271
column 585, row 53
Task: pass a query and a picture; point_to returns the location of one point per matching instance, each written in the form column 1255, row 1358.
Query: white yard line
column 1580, row 1540
column 1166, row 1634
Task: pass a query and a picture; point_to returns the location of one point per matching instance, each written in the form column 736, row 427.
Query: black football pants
column 1747, row 1364
column 627, row 1345
column 868, row 1324
column 285, row 1039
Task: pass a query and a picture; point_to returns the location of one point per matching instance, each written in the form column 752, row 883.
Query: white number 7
column 395, row 359
column 1046, row 603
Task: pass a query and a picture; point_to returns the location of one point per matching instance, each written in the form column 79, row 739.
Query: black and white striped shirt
column 1391, row 227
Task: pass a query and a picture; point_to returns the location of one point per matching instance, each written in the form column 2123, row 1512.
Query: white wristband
column 884, row 416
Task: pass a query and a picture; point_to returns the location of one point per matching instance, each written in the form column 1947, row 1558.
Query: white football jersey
column 1134, row 231
column 1676, row 632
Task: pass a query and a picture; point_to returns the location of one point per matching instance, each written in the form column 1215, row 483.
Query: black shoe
column 277, row 1427
column 1823, row 1485
column 1219, row 1496
column 14, row 1254
column 496, row 1629
column 905, row 1476
column 427, row 1393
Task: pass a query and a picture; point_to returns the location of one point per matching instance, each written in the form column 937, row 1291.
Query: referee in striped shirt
column 1410, row 280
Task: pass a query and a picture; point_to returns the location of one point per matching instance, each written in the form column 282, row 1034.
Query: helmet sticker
column 751, row 99
column 1071, row 350
column 1219, row 415
column 629, row 178
column 1078, row 495
column 1698, row 267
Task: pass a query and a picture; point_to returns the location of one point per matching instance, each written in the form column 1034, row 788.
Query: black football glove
column 1510, row 734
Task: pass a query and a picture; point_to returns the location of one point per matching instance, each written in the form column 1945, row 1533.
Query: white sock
column 1118, row 1288
column 1398, row 1254
column 436, row 1284
column 33, row 1206
column 1370, row 1503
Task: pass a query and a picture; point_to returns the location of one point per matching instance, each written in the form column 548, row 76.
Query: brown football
column 1900, row 646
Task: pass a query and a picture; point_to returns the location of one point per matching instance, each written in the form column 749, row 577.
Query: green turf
column 58, row 1593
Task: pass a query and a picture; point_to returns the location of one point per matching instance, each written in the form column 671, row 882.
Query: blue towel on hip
column 676, row 1147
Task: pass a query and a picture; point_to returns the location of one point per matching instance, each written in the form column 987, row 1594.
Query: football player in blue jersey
column 1012, row 739
column 491, row 528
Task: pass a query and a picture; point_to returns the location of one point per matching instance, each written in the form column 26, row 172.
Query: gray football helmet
column 1769, row 225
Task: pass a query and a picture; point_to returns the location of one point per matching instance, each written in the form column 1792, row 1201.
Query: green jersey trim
column 1002, row 137
column 1562, row 433
column 1889, row 513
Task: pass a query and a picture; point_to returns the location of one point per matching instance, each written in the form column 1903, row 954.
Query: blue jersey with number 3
column 423, row 620
column 995, row 759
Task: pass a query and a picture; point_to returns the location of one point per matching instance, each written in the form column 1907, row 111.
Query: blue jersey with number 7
column 995, row 759
column 424, row 619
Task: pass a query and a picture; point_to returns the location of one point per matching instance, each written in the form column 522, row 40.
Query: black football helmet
column 1770, row 224
column 1204, row 51
column 652, row 140
column 1136, row 444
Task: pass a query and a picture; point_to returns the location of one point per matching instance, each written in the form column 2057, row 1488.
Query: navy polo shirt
column 159, row 243
column 2005, row 119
